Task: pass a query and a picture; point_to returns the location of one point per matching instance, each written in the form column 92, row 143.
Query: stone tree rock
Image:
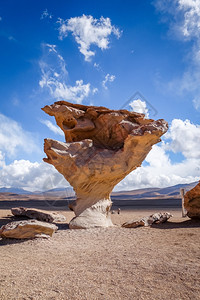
column 102, row 147
column 192, row 202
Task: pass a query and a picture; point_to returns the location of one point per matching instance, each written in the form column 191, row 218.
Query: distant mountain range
column 151, row 193
column 14, row 190
column 170, row 192
column 59, row 192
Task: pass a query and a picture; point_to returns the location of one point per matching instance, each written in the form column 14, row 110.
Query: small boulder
column 156, row 218
column 40, row 215
column 27, row 229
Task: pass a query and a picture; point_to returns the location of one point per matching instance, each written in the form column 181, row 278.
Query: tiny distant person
column 119, row 211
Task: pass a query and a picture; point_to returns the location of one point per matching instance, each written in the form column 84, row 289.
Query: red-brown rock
column 192, row 202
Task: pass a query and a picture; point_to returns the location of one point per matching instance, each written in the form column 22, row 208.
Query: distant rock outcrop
column 156, row 218
column 102, row 147
column 27, row 229
column 192, row 202
column 40, row 215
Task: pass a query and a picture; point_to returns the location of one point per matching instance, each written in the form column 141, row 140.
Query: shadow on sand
column 172, row 225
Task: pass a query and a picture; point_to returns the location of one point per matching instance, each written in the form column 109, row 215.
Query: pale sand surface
column 162, row 262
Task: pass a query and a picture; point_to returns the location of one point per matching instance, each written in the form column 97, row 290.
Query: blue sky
column 110, row 53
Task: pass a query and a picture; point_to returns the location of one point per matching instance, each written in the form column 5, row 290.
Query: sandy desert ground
column 162, row 262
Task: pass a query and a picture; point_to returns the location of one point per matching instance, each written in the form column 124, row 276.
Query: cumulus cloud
column 140, row 107
column 46, row 15
column 184, row 23
column 161, row 172
column 158, row 170
column 88, row 31
column 52, row 127
column 184, row 137
column 13, row 138
column 108, row 78
column 31, row 176
column 23, row 173
column 55, row 76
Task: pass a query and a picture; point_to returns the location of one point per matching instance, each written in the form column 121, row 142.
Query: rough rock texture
column 192, row 202
column 40, row 215
column 102, row 147
column 156, row 218
column 27, row 229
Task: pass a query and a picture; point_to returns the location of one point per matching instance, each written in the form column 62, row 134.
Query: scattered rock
column 156, row 218
column 192, row 202
column 102, row 147
column 27, row 229
column 40, row 215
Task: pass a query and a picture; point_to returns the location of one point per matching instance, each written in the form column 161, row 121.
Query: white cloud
column 161, row 172
column 55, row 76
column 186, row 16
column 52, row 127
column 2, row 160
column 46, row 14
column 13, row 138
column 196, row 103
column 97, row 66
column 31, row 176
column 190, row 26
column 184, row 23
column 183, row 137
column 108, row 78
column 95, row 90
column 140, row 107
column 88, row 31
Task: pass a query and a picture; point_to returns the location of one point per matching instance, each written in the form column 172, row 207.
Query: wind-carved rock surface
column 192, row 202
column 102, row 147
column 27, row 229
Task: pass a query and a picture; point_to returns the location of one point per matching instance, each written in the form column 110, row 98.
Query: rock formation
column 40, row 215
column 102, row 147
column 192, row 202
column 27, row 229
column 156, row 218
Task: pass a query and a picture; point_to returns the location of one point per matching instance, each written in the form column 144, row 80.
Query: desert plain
column 158, row 262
